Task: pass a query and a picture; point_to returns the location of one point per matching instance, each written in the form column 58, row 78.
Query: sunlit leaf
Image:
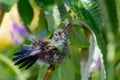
column 56, row 16
column 77, row 37
column 50, row 21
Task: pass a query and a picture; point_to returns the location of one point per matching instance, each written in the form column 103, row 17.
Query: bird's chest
column 54, row 53
column 51, row 57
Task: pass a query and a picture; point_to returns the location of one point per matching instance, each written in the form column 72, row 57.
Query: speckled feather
column 50, row 51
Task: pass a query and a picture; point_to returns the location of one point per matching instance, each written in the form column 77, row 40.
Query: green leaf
column 87, row 11
column 4, row 73
column 64, row 70
column 10, row 64
column 111, row 9
column 42, row 72
column 117, row 70
column 56, row 16
column 25, row 11
column 50, row 21
column 61, row 8
column 75, row 57
column 94, row 11
column 44, row 2
column 42, row 28
column 7, row 4
column 118, row 12
column 61, row 72
column 77, row 37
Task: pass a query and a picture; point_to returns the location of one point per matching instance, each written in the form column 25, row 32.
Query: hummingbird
column 50, row 51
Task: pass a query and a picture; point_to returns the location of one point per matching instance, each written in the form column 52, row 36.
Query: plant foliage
column 96, row 28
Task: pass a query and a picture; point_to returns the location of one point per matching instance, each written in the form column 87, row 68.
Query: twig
column 49, row 71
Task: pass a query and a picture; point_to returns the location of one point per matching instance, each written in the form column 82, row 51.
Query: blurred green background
column 94, row 39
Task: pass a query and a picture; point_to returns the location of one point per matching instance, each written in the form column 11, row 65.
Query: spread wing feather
column 23, row 57
column 28, row 55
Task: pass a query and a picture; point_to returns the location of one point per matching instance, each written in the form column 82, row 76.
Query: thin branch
column 49, row 72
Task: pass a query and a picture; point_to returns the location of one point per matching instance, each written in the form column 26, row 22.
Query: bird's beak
column 67, row 29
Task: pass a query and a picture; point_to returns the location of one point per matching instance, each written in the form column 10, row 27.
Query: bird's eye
column 55, row 34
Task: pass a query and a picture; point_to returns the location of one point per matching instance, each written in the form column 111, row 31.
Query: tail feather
column 18, row 53
column 31, row 62
column 26, row 62
column 25, row 50
column 24, row 58
column 20, row 57
column 17, row 57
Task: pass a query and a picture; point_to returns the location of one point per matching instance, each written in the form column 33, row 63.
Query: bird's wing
column 28, row 55
column 42, row 47
column 24, row 58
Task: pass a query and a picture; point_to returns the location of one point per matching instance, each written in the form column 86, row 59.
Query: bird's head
column 61, row 35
